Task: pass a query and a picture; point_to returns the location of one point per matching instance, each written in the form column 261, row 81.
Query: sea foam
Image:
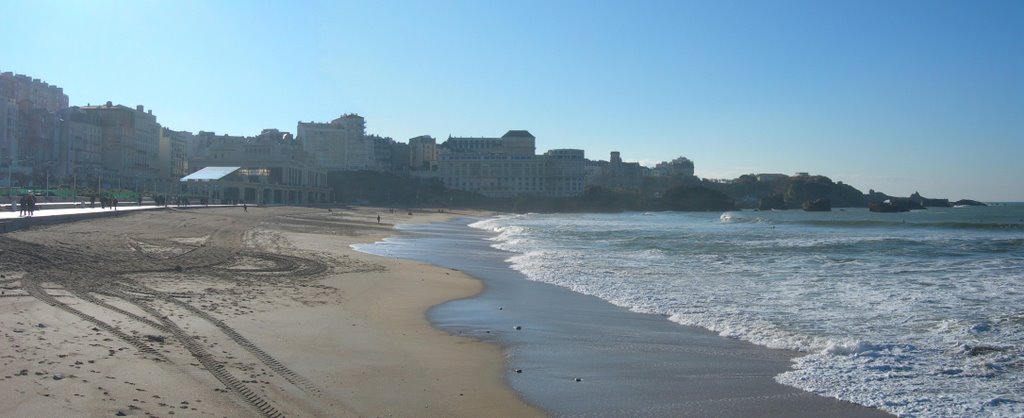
column 921, row 324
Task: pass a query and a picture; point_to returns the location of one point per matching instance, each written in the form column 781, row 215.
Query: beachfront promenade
column 64, row 209
column 52, row 213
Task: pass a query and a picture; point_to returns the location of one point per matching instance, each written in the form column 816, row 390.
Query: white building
column 679, row 167
column 339, row 145
column 508, row 167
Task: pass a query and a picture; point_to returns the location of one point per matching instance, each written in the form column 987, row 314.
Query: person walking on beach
column 378, row 219
column 245, row 207
column 113, row 203
column 31, row 204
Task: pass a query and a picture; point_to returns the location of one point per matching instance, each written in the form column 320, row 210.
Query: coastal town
column 62, row 152
column 46, row 143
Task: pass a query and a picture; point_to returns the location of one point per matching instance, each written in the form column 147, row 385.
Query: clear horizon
column 923, row 96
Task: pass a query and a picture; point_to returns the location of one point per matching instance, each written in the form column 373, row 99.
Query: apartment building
column 81, row 155
column 341, row 144
column 679, row 167
column 130, row 146
column 32, row 93
column 173, row 158
column 30, row 125
column 8, row 125
column 389, row 155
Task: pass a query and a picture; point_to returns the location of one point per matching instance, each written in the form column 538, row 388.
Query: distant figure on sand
column 245, row 207
column 378, row 218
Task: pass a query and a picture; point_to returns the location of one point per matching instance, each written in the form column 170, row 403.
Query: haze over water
column 917, row 313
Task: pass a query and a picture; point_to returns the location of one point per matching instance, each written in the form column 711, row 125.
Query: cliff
column 658, row 194
column 817, row 205
column 686, row 198
column 789, row 192
column 968, row 202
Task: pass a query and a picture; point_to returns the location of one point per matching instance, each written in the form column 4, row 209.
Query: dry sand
column 221, row 312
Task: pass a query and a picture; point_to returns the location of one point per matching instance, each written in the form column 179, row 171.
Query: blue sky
column 899, row 96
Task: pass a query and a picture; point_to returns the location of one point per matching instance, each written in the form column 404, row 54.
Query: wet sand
column 626, row 363
column 220, row 312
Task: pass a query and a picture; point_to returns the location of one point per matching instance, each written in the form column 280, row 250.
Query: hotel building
column 509, row 167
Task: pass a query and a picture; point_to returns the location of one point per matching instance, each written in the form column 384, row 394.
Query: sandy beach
column 225, row 312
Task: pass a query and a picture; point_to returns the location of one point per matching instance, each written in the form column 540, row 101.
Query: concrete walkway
column 56, row 213
column 62, row 209
column 42, row 211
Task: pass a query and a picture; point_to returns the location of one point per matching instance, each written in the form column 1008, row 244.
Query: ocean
column 917, row 314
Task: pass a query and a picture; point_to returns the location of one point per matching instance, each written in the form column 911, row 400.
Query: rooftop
column 518, row 134
column 210, row 174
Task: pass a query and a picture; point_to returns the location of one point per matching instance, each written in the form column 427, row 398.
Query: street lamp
column 48, row 165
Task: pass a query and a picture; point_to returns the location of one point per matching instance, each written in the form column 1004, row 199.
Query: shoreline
column 628, row 363
column 467, row 372
column 273, row 301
